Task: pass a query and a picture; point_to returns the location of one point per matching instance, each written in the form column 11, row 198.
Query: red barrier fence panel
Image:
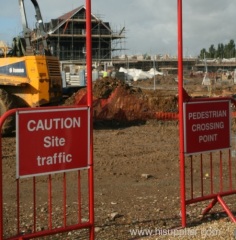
column 36, row 201
column 209, row 163
column 210, row 176
column 206, row 173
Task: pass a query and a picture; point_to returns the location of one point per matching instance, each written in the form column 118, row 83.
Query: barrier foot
column 210, row 206
column 225, row 207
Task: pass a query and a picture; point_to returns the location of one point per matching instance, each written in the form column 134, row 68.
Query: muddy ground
column 136, row 182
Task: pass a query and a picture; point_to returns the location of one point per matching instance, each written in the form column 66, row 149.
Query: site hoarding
column 52, row 140
column 207, row 126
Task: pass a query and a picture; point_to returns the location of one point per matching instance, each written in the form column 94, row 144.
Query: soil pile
column 114, row 100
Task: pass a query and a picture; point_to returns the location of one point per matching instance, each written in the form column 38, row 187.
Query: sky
column 150, row 25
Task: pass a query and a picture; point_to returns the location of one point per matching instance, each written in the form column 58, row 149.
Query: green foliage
column 222, row 51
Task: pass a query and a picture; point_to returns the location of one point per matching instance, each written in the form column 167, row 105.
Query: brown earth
column 136, row 169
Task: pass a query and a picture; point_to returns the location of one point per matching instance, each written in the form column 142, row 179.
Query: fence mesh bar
column 230, row 171
column 50, row 201
column 221, row 172
column 201, row 166
column 18, row 205
column 211, row 173
column 64, row 199
column 34, row 202
column 79, row 198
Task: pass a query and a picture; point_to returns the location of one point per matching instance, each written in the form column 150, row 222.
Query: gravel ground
column 137, row 189
column 214, row 230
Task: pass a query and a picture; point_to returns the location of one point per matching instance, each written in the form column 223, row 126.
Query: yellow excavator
column 29, row 76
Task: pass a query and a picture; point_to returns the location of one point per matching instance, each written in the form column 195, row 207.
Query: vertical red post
column 201, row 167
column 2, row 119
column 79, row 198
column 34, row 200
column 230, row 171
column 211, row 166
column 90, row 105
column 1, row 185
column 1, row 190
column 221, row 172
column 181, row 122
column 64, row 199
column 191, row 172
column 49, row 202
column 18, row 204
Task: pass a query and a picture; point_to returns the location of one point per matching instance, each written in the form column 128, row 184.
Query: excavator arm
column 26, row 30
column 41, row 33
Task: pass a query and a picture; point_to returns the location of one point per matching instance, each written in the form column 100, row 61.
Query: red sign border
column 50, row 109
column 185, row 131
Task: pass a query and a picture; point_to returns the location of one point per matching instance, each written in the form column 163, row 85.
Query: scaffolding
column 68, row 38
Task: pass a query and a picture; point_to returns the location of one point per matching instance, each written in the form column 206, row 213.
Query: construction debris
column 114, row 100
column 138, row 74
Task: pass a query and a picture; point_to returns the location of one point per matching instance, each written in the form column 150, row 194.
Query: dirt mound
column 113, row 99
column 104, row 87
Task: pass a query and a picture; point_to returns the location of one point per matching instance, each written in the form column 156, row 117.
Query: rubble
column 115, row 100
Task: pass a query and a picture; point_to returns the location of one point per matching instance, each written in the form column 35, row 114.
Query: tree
column 212, row 51
column 223, row 51
column 203, row 53
column 220, row 51
column 230, row 49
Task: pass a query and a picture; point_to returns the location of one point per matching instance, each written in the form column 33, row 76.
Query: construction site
column 135, row 136
column 66, row 37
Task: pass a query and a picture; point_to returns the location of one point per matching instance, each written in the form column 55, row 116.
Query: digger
column 29, row 76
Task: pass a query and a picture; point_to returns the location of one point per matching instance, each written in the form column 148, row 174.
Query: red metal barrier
column 26, row 213
column 203, row 176
column 31, row 216
column 210, row 176
column 166, row 116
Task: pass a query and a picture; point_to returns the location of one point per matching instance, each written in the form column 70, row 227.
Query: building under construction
column 67, row 35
